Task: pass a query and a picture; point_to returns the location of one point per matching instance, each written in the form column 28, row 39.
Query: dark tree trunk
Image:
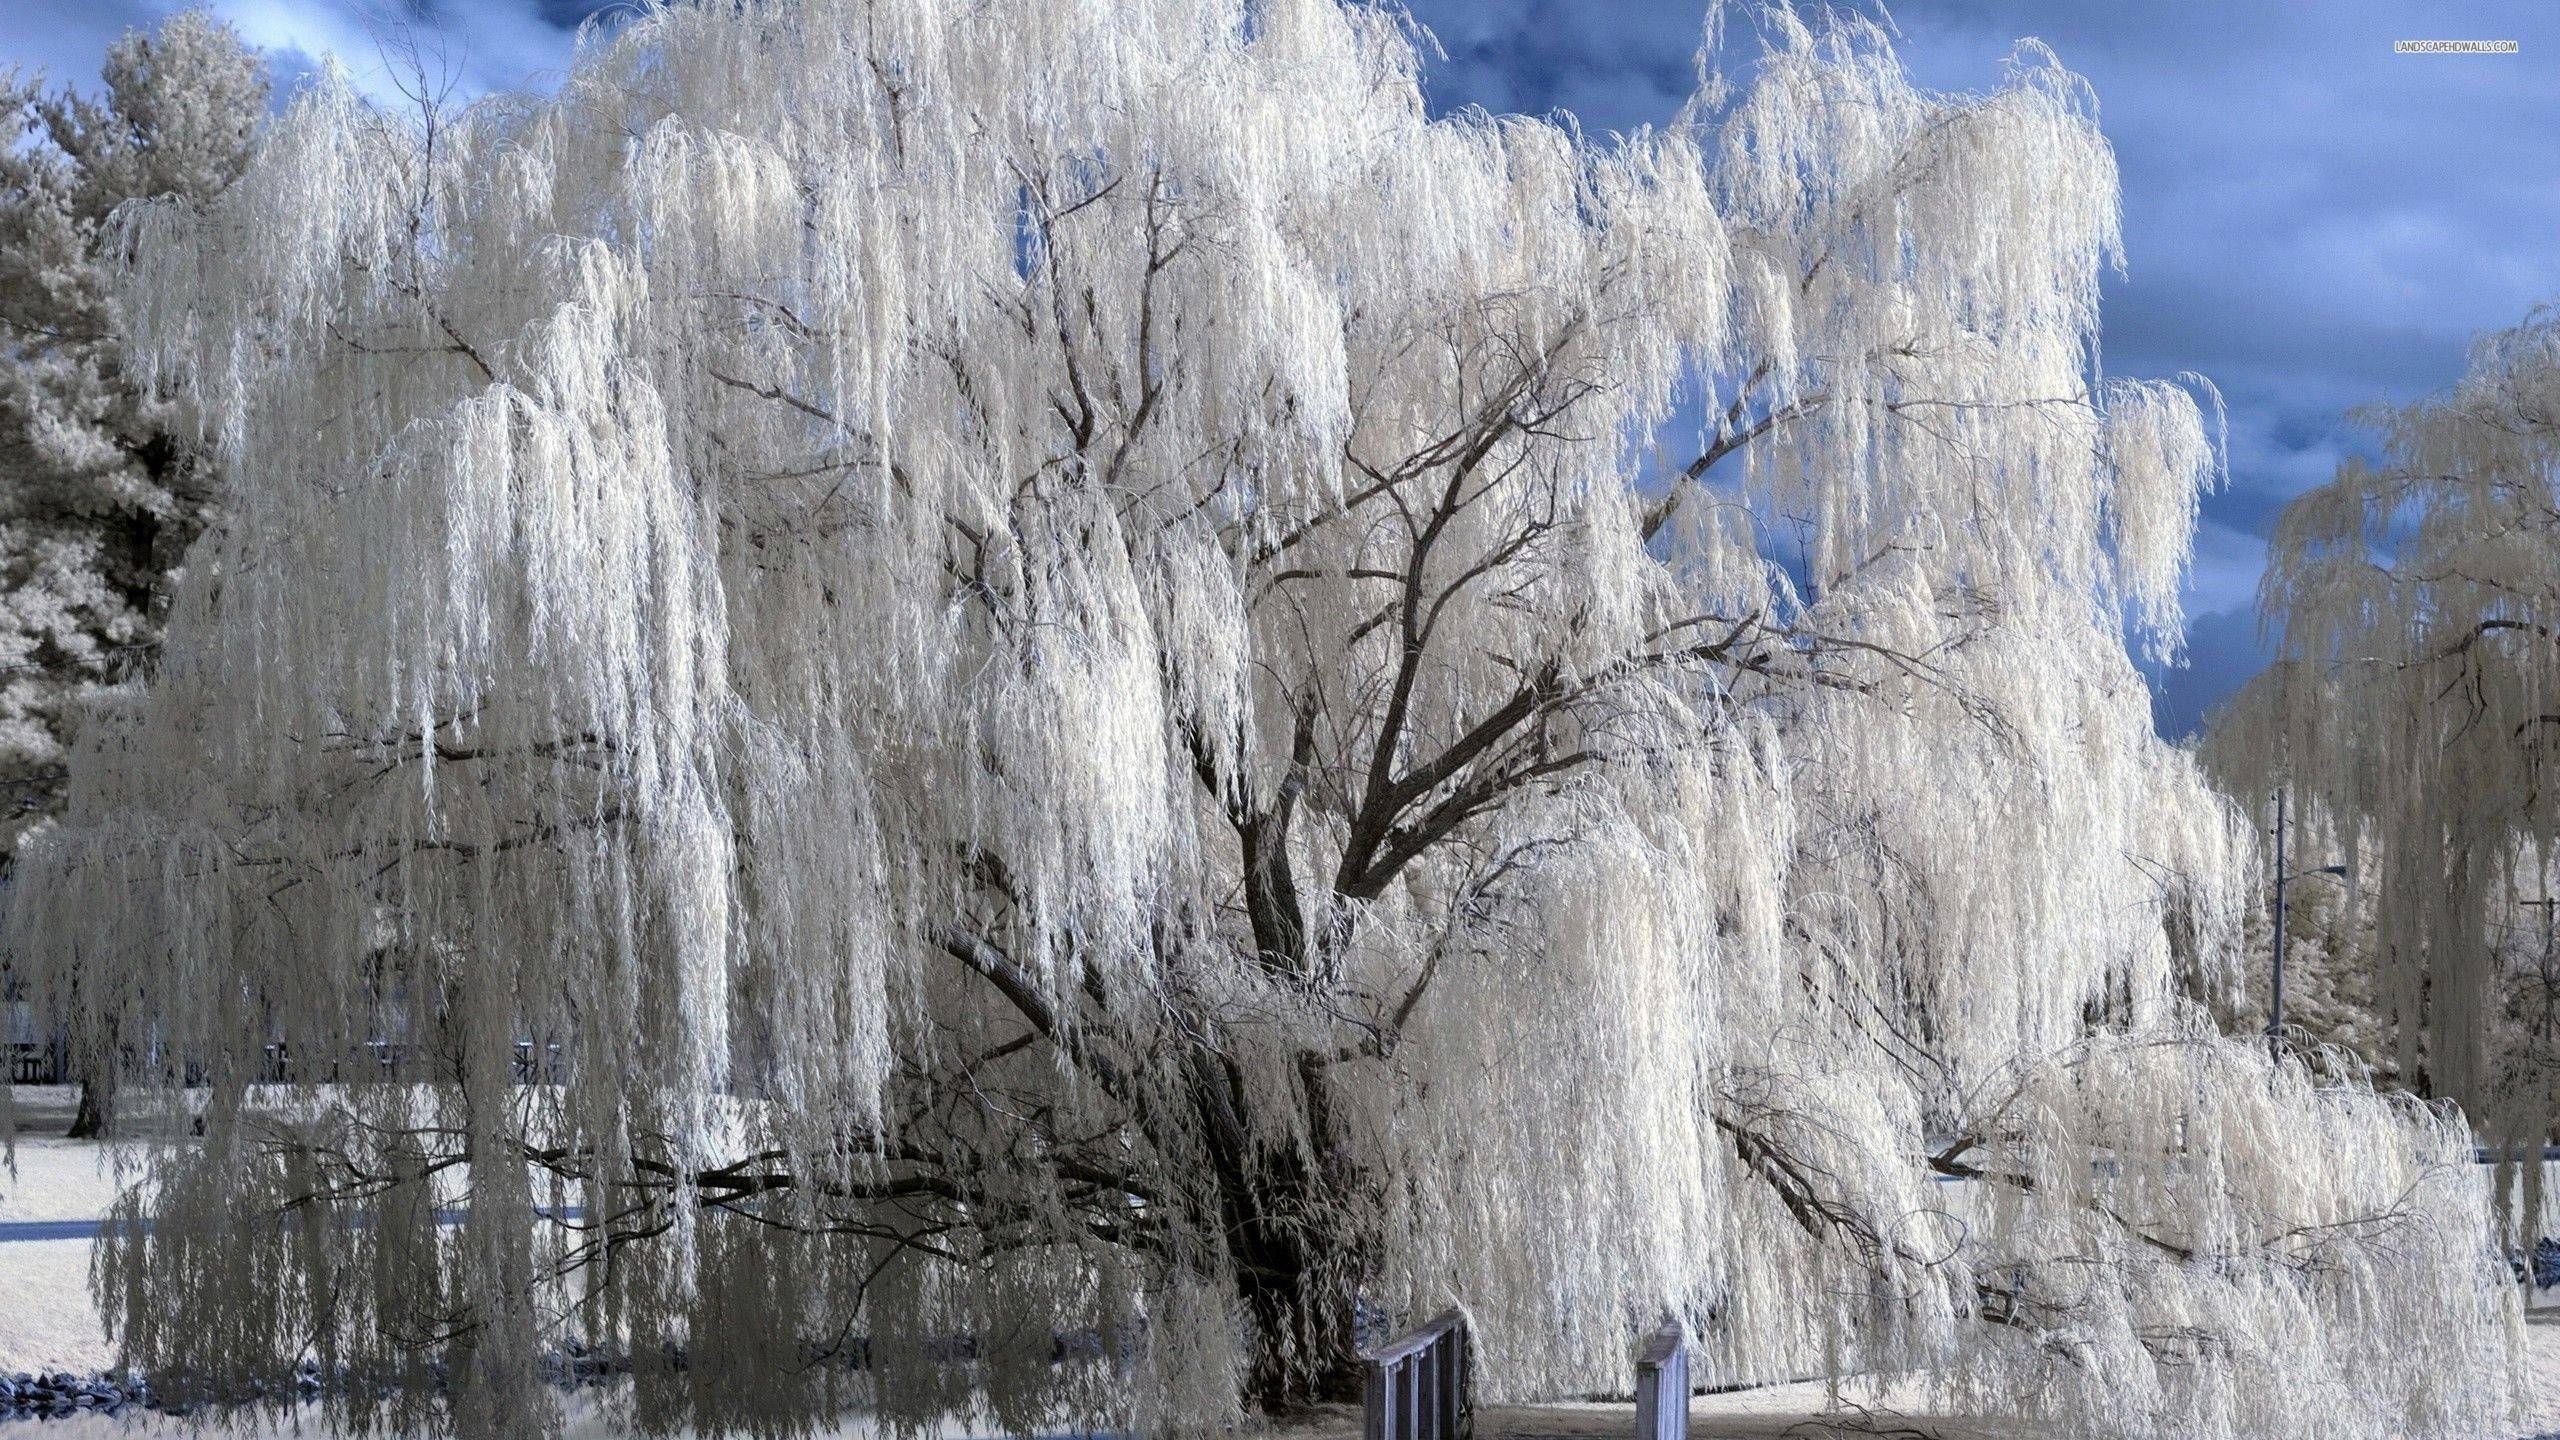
column 96, row 1117
column 1300, row 1301
column 1290, row 1237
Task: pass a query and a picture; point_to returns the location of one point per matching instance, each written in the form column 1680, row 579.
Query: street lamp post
column 2275, row 997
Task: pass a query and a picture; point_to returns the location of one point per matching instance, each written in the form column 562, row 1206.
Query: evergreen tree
column 100, row 495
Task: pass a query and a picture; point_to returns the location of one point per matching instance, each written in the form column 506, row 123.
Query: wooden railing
column 1417, row 1385
column 1662, row 1384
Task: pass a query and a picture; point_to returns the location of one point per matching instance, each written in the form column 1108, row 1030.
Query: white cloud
column 470, row 46
column 2227, row 566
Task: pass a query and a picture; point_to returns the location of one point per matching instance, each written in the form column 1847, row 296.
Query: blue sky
column 2312, row 221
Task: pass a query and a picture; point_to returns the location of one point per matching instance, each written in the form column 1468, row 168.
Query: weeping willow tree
column 1019, row 693
column 2414, row 708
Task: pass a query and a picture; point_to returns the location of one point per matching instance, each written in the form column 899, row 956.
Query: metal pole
column 2275, row 999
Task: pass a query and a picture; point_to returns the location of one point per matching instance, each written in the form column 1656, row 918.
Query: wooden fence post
column 1416, row 1387
column 1662, row 1384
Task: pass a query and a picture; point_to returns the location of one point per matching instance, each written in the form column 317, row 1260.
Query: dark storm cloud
column 1613, row 64
column 2220, row 643
column 2312, row 221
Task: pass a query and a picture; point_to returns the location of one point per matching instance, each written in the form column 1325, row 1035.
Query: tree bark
column 1295, row 1281
column 96, row 1117
column 1297, row 1261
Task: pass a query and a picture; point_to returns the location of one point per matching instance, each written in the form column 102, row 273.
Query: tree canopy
column 2413, row 708
column 957, row 680
column 99, row 494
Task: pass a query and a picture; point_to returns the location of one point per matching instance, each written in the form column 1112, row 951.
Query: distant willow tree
column 1024, row 670
column 2415, row 708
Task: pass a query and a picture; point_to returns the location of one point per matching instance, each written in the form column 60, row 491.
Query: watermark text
column 2453, row 47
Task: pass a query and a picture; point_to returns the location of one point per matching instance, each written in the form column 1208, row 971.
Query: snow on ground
column 57, row 1180
column 50, row 1178
column 48, row 1322
column 2542, row 1367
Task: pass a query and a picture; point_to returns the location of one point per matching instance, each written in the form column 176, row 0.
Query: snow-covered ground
column 48, row 1322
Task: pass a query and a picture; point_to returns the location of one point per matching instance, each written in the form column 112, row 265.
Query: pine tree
column 100, row 495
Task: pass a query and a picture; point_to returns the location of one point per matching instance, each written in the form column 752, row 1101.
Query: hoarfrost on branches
column 1051, row 645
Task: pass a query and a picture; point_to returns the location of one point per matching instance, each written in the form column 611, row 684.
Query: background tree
column 1035, row 636
column 2332, row 968
column 100, row 492
column 2415, row 708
